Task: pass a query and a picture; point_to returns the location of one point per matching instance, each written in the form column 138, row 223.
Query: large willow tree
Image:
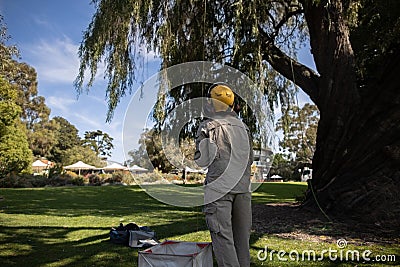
column 355, row 46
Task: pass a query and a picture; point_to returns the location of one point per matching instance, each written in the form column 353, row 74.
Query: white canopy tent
column 137, row 169
column 39, row 165
column 277, row 178
column 190, row 170
column 80, row 166
column 115, row 167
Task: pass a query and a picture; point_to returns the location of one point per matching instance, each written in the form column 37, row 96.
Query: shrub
column 14, row 181
column 129, row 179
column 172, row 177
column 117, row 177
column 71, row 174
column 151, row 177
column 57, row 170
column 61, row 180
column 23, row 181
column 29, row 180
column 94, row 179
column 78, row 181
column 195, row 177
column 36, row 180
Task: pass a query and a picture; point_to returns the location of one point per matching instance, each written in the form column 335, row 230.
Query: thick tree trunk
column 357, row 169
column 356, row 163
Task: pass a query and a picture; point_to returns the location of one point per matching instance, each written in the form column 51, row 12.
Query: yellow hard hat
column 221, row 93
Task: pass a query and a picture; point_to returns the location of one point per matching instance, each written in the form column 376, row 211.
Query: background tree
column 99, row 142
column 42, row 138
column 151, row 148
column 137, row 156
column 34, row 108
column 24, row 79
column 34, row 113
column 9, row 110
column 85, row 154
column 25, row 123
column 15, row 155
column 179, row 156
column 284, row 166
column 355, row 46
column 66, row 136
column 299, row 127
column 7, row 52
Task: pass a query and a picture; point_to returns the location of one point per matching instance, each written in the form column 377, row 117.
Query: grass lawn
column 69, row 226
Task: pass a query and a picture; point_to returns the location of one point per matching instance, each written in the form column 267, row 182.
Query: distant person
column 224, row 145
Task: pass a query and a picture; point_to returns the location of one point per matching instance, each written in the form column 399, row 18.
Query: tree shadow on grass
column 38, row 246
column 77, row 243
column 102, row 201
column 290, row 219
column 77, row 246
column 292, row 222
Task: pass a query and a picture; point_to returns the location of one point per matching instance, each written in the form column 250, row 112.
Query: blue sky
column 48, row 34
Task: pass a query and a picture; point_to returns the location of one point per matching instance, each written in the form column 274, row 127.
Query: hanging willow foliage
column 232, row 32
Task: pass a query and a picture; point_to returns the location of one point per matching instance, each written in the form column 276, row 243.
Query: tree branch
column 286, row 18
column 292, row 70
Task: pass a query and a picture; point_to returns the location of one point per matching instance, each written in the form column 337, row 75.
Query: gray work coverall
column 224, row 145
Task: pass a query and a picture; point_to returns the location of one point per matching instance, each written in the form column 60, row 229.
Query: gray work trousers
column 229, row 221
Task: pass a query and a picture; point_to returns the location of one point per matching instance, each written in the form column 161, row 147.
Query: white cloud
column 75, row 110
column 61, row 103
column 55, row 61
column 38, row 20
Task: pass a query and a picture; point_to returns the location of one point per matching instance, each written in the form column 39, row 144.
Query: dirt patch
column 288, row 220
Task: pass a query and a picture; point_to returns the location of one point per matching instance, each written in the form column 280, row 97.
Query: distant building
column 262, row 162
column 306, row 174
column 42, row 166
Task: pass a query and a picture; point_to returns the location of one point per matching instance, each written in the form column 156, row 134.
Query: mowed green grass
column 69, row 226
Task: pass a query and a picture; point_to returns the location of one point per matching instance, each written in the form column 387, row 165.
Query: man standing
column 224, row 145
